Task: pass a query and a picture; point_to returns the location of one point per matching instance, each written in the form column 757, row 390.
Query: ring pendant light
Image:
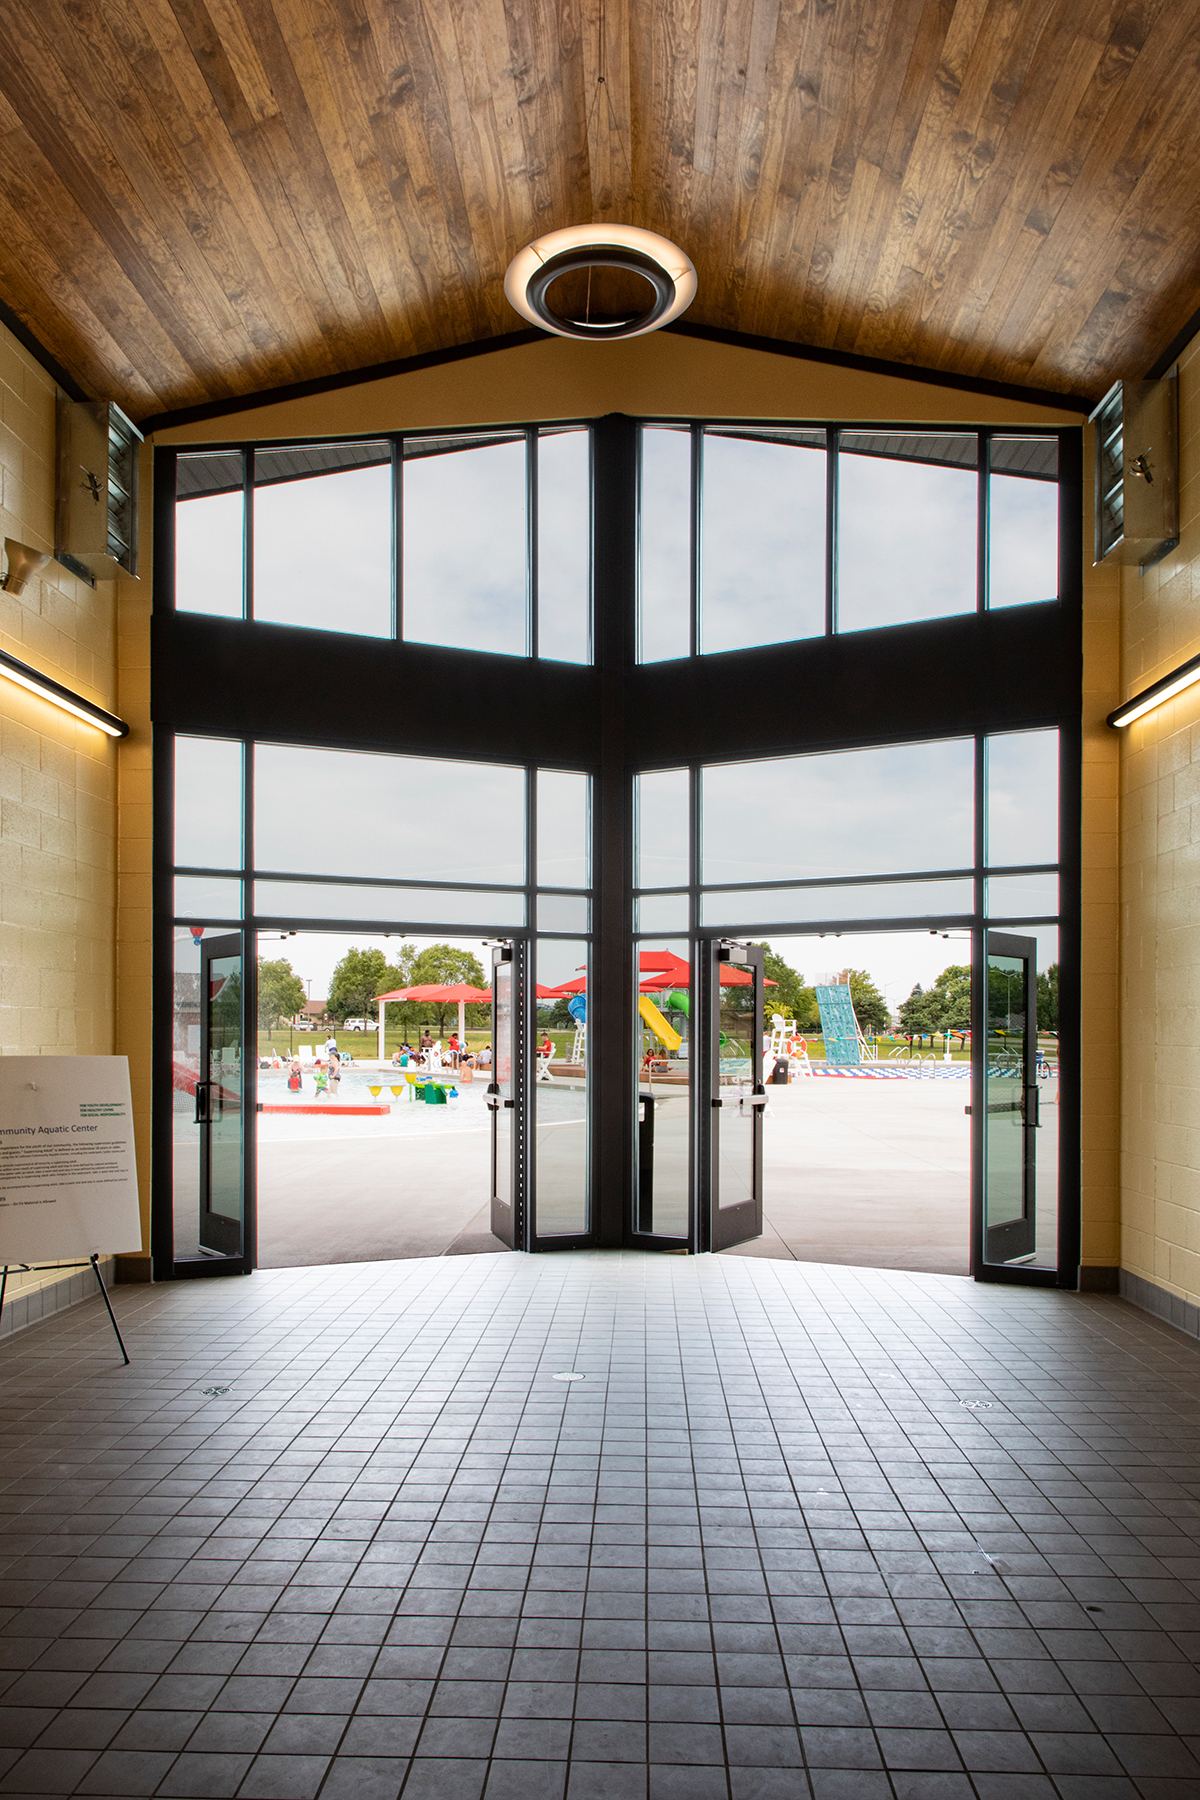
column 665, row 268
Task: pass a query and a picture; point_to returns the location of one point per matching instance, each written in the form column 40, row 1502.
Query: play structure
column 845, row 1045
column 577, row 1007
column 662, row 1029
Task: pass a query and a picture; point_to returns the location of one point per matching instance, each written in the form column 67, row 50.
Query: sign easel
column 68, row 1181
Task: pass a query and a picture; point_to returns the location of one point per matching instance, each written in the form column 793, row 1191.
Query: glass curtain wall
column 271, row 840
column 954, row 838
column 461, row 540
column 750, row 535
column 717, row 539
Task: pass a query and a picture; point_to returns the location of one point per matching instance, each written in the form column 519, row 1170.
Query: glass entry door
column 507, row 1095
column 1010, row 1113
column 219, row 1096
column 731, row 1093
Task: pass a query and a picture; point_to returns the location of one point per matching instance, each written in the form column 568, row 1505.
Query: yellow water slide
column 666, row 1034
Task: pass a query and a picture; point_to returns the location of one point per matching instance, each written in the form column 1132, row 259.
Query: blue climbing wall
column 839, row 1027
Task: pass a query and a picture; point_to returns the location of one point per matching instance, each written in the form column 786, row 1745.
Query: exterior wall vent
column 1137, row 471
column 96, row 500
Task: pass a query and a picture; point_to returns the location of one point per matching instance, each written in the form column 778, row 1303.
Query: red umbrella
column 729, row 977
column 662, row 969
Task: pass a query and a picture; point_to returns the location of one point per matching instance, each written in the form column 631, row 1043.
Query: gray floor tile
column 476, row 1552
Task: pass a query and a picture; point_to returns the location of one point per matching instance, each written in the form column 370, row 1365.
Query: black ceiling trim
column 874, row 365
column 1176, row 347
column 328, row 384
column 39, row 353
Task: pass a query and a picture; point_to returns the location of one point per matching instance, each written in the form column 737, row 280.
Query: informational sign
column 68, row 1183
column 839, row 1027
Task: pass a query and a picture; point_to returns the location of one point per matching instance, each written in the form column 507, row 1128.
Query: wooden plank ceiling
column 203, row 198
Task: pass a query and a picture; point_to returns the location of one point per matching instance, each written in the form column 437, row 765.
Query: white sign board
column 68, row 1183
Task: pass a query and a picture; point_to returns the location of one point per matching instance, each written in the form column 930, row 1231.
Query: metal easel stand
column 92, row 1263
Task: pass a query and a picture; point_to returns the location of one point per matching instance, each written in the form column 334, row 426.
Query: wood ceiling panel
column 204, row 198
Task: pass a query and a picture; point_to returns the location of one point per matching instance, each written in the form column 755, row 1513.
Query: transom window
column 474, row 541
column 758, row 535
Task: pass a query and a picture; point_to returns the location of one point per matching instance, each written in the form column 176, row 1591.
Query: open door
column 507, row 1094
column 1010, row 1112
column 731, row 1093
column 219, row 1096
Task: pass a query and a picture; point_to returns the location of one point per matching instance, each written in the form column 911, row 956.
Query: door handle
column 1033, row 1107
column 717, row 1102
column 203, row 1096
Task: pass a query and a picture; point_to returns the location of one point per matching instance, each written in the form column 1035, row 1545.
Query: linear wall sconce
column 65, row 697
column 1185, row 676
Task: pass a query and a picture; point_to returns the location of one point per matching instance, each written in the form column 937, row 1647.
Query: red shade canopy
column 435, row 991
column 438, row 991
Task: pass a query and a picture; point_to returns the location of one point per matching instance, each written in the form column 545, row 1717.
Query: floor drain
column 214, row 1392
column 568, row 1375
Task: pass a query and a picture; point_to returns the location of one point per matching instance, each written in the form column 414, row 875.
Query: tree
column 1047, row 1002
column 280, row 994
column 790, row 997
column 953, row 986
column 945, row 1007
column 870, row 1007
column 919, row 1015
column 361, row 975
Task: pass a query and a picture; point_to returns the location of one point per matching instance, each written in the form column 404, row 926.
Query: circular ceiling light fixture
column 667, row 272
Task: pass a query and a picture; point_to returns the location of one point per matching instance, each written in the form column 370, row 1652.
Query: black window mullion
column 980, row 820
column 248, row 533
column 591, row 530
column 397, row 536
column 532, row 644
column 250, row 1025
column 531, row 852
column 831, row 529
column 697, row 551
column 984, row 460
column 697, row 1228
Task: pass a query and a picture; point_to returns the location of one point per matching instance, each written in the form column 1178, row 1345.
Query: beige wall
column 134, row 941
column 1160, row 900
column 58, row 777
column 560, row 378
column 1099, row 949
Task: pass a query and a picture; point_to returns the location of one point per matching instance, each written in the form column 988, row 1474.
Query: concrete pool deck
column 866, row 1173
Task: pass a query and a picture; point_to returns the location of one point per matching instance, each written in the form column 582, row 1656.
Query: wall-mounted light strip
column 1184, row 676
column 53, row 691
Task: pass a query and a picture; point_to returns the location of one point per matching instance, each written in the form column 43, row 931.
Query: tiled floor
column 799, row 1530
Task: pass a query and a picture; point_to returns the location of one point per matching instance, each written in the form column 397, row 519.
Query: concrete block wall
column 25, row 1305
column 1160, row 909
column 58, row 777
